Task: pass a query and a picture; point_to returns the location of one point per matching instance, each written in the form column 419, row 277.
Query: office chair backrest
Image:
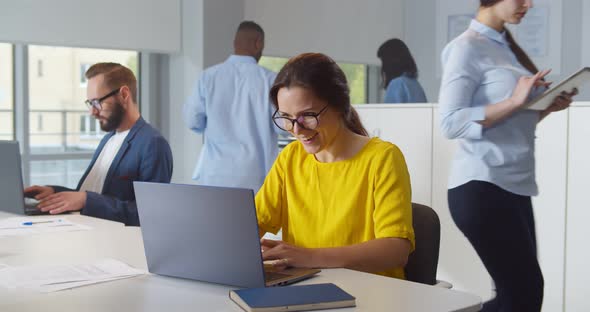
column 422, row 263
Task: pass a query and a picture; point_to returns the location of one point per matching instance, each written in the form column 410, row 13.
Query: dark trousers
column 501, row 227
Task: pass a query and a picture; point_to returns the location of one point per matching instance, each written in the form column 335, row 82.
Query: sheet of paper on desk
column 64, row 286
column 22, row 226
column 48, row 278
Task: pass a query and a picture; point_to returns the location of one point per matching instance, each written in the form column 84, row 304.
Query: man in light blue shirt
column 230, row 106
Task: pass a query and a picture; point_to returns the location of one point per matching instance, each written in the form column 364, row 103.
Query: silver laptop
column 11, row 182
column 205, row 233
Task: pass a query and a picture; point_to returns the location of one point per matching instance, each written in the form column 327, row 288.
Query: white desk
column 157, row 293
column 95, row 223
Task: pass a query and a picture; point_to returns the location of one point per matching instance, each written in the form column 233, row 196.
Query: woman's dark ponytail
column 521, row 56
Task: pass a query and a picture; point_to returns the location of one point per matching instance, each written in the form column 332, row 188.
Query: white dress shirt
column 480, row 69
column 95, row 179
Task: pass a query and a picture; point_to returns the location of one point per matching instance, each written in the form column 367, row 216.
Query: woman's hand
column 497, row 112
column 281, row 255
column 372, row 256
column 524, row 86
column 562, row 101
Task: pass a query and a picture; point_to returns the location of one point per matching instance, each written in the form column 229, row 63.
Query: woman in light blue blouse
column 487, row 80
column 399, row 73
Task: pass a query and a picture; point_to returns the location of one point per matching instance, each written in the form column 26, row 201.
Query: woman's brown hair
column 521, row 56
column 322, row 76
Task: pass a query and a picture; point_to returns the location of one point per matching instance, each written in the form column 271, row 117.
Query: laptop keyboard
column 31, row 207
column 272, row 276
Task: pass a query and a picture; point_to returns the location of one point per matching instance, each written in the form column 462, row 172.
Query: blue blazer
column 144, row 156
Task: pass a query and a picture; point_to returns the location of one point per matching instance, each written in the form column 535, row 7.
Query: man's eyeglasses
column 307, row 120
column 96, row 103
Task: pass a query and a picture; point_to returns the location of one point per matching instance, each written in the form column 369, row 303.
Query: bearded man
column 132, row 150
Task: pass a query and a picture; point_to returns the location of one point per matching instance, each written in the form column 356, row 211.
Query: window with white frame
column 83, row 68
column 6, row 93
column 89, row 127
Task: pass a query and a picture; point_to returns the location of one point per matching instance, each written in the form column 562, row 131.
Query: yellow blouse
column 341, row 203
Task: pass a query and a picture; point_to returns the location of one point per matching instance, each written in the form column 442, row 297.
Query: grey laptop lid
column 200, row 232
column 11, row 180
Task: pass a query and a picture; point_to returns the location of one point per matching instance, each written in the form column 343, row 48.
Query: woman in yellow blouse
column 342, row 199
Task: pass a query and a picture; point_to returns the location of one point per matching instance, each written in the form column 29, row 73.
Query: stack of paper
column 20, row 226
column 49, row 278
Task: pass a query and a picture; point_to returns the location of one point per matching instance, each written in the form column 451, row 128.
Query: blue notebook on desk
column 292, row 298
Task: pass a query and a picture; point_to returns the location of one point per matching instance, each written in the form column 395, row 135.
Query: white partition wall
column 550, row 206
column 458, row 262
column 577, row 269
column 561, row 209
column 410, row 130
